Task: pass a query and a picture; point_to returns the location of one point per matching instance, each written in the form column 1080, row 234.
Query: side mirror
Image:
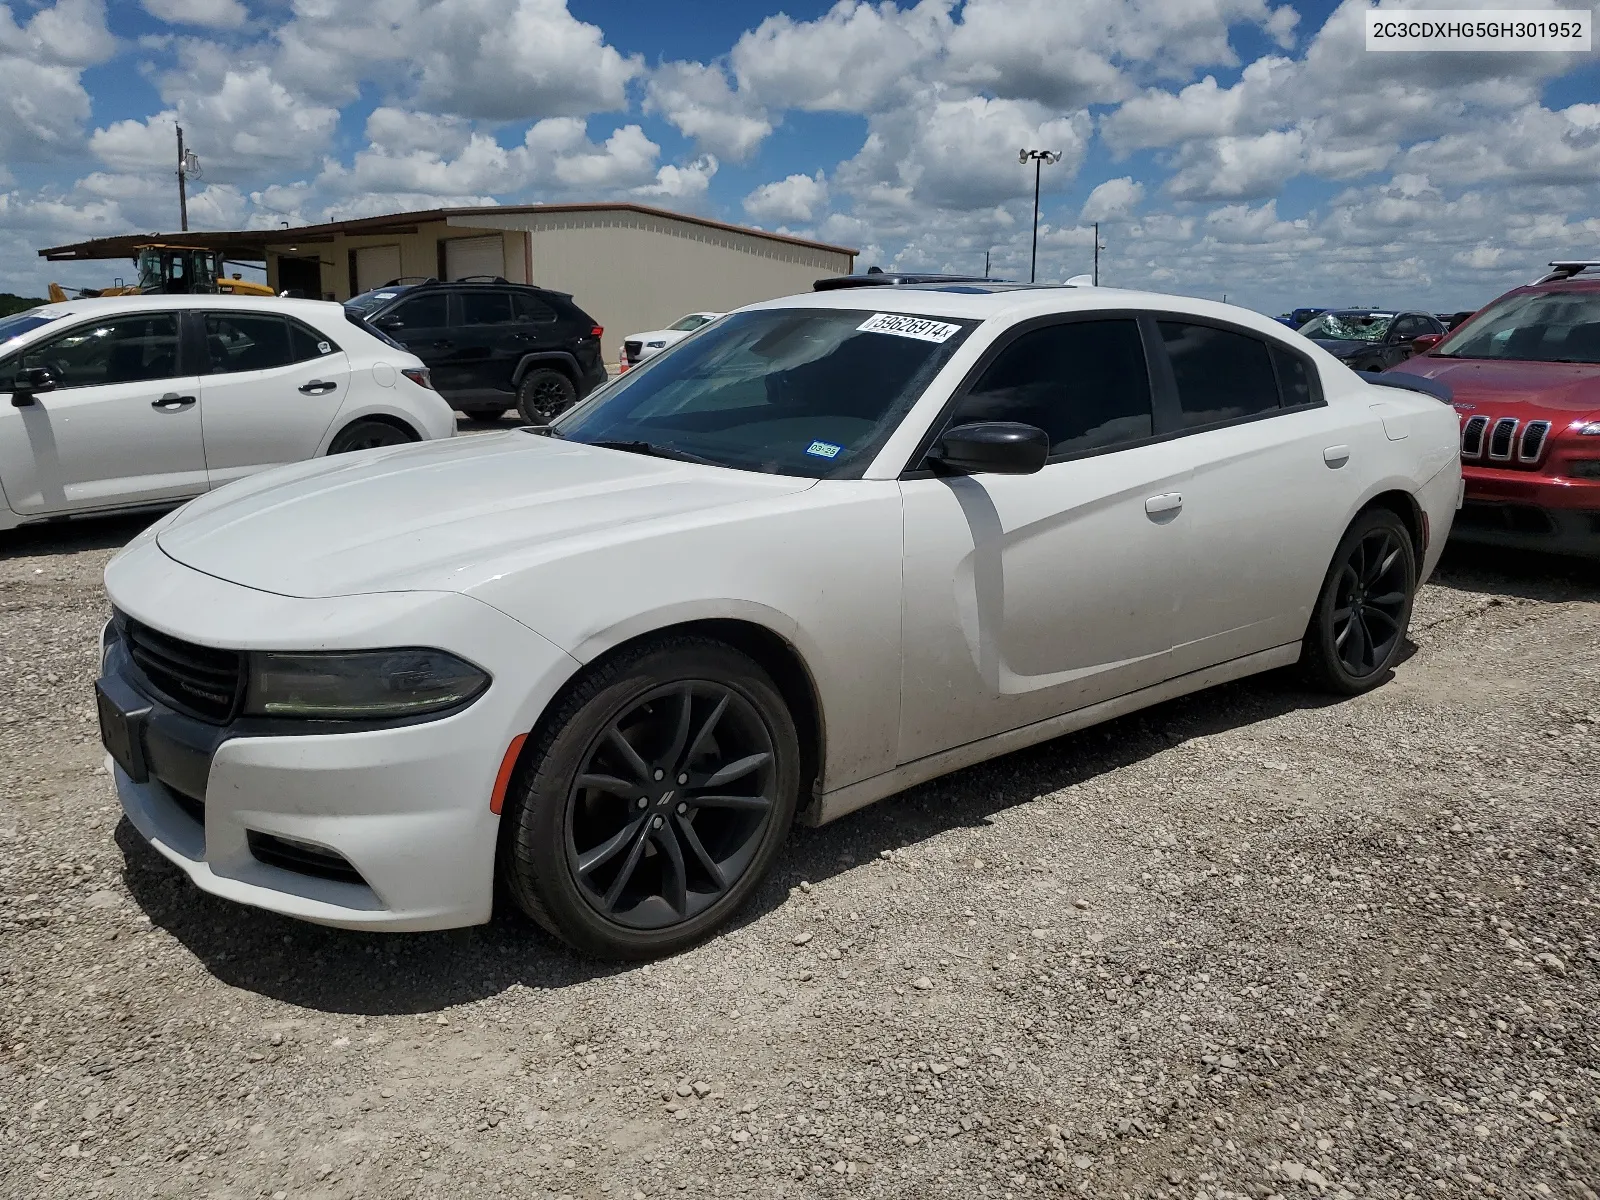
column 1426, row 342
column 29, row 382
column 992, row 448
column 388, row 323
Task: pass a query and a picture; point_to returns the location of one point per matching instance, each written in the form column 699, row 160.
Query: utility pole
column 183, row 193
column 1097, row 254
column 1039, row 157
column 986, row 264
column 188, row 168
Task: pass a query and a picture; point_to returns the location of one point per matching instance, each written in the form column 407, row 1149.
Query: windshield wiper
column 656, row 450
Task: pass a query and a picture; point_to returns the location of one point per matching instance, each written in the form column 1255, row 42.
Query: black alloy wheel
column 544, row 394
column 1359, row 626
column 673, row 799
column 365, row 435
column 652, row 800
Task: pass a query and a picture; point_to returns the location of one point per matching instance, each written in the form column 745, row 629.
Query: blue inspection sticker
column 824, row 450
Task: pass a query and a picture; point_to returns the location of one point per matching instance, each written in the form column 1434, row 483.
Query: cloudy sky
column 1237, row 147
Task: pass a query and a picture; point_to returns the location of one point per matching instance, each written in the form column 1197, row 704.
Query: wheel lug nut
column 682, row 808
column 644, row 802
column 657, row 823
column 659, row 774
column 682, row 779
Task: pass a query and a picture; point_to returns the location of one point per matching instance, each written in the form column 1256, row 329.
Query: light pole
column 1097, row 249
column 1039, row 157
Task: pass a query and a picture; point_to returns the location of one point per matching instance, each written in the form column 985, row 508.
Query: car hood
column 1344, row 347
column 441, row 516
column 1559, row 390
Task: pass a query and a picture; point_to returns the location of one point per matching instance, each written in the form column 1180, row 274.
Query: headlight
column 655, row 345
column 360, row 684
column 1592, row 429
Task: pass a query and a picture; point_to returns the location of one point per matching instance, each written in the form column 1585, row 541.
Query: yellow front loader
column 172, row 270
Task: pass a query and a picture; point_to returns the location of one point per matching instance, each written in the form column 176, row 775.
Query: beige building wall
column 633, row 271
column 630, row 271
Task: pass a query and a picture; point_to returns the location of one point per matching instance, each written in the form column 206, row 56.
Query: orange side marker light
column 508, row 764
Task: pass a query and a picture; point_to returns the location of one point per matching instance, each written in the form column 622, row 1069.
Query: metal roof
column 250, row 245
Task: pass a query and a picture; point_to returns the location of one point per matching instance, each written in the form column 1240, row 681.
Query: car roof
column 113, row 304
column 1017, row 302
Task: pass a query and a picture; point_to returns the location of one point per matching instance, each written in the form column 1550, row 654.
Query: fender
column 559, row 358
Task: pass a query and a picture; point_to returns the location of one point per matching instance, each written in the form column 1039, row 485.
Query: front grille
column 1500, row 439
column 301, row 858
column 199, row 680
column 1472, row 437
column 1533, row 439
column 633, row 350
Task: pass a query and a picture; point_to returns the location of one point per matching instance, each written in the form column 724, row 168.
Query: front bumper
column 1530, row 511
column 404, row 808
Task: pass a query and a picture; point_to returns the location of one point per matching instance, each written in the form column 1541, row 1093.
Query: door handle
column 1336, row 456
column 1168, row 502
column 318, row 387
column 172, row 402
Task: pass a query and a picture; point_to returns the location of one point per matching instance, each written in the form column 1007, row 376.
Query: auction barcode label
column 912, row 327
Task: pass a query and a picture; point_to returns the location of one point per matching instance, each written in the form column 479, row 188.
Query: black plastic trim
column 1407, row 382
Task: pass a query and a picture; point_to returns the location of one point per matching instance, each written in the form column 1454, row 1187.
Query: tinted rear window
column 1221, row 375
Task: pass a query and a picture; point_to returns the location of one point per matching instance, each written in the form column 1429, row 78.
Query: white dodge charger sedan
column 637, row 347
column 836, row 545
column 145, row 401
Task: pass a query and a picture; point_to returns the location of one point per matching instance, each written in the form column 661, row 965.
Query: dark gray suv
column 490, row 344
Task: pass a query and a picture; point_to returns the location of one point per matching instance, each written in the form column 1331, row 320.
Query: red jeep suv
column 1525, row 372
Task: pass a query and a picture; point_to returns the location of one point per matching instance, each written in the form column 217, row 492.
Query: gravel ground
column 1250, row 943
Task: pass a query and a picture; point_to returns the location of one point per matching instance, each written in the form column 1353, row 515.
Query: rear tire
column 654, row 800
column 484, row 414
column 366, row 434
column 544, row 394
column 1358, row 627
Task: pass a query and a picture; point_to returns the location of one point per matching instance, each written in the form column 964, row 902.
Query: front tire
column 655, row 800
column 1358, row 627
column 544, row 394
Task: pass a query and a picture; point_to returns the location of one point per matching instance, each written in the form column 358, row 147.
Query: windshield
column 369, row 302
column 692, row 321
column 21, row 323
column 1533, row 327
column 794, row 391
column 1350, row 326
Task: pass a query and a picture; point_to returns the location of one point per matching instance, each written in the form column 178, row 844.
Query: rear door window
column 1084, row 383
column 306, row 343
column 532, row 310
column 1221, row 375
column 485, row 308
column 246, row 342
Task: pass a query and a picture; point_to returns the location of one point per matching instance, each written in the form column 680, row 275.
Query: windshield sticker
column 823, row 450
column 324, row 348
column 386, row 295
column 901, row 325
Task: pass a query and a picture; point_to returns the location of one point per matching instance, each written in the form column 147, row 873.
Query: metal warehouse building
column 630, row 266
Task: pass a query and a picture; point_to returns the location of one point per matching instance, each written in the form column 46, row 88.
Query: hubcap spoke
column 1357, row 647
column 680, row 732
column 1387, row 600
column 1369, row 613
column 631, row 756
column 598, row 857
column 675, row 881
column 692, row 839
column 737, row 770
column 629, row 866
column 611, row 785
column 747, row 803
column 704, row 734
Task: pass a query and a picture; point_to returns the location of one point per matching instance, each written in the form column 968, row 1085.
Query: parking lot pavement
column 1247, row 943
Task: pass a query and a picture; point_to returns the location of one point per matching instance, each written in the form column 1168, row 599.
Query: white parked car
column 637, row 347
column 145, row 401
column 837, row 545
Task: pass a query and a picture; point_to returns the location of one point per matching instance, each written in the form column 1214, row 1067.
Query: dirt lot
column 1245, row 944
